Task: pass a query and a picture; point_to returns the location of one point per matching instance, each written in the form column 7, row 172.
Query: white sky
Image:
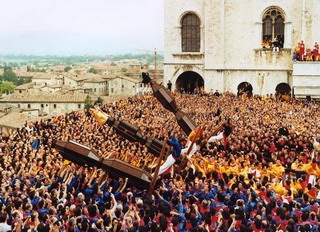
column 80, row 27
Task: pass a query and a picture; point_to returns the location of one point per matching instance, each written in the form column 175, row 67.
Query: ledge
column 270, row 50
column 193, row 55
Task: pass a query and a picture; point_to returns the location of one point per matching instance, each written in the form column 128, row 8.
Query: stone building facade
column 51, row 104
column 219, row 45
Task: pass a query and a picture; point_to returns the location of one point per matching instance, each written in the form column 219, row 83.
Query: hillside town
column 61, row 89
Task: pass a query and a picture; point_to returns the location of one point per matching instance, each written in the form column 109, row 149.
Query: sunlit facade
column 224, row 45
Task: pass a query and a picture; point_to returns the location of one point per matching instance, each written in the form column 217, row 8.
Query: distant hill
column 20, row 60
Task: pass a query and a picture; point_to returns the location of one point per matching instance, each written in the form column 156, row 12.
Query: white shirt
column 4, row 227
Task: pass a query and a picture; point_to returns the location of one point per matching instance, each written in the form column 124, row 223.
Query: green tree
column 9, row 75
column 88, row 103
column 6, row 87
column 67, row 69
column 92, row 70
column 124, row 69
column 98, row 101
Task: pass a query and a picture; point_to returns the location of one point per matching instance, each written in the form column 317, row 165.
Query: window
column 273, row 26
column 54, row 106
column 29, row 106
column 190, row 33
column 42, row 105
column 79, row 106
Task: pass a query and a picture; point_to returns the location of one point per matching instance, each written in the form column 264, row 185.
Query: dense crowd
column 266, row 179
column 301, row 53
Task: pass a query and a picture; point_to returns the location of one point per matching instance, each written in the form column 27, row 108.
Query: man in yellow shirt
column 193, row 139
column 277, row 169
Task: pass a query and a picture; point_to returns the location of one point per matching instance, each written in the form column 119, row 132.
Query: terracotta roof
column 51, row 86
column 43, row 76
column 58, row 68
column 78, row 68
column 16, row 119
column 24, row 86
column 106, row 67
column 111, row 76
column 23, row 73
column 95, row 80
column 132, row 79
column 82, row 77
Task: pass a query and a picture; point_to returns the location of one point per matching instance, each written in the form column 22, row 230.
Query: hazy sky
column 80, row 27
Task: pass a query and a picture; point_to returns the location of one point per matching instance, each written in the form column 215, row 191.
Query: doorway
column 245, row 88
column 188, row 81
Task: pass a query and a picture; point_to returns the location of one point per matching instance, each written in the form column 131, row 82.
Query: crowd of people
column 301, row 53
column 265, row 178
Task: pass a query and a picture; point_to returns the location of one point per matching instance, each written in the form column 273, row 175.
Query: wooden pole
column 155, row 176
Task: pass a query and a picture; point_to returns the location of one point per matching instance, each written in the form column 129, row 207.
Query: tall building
column 242, row 46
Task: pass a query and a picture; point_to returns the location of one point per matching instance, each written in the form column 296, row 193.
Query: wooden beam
column 155, row 176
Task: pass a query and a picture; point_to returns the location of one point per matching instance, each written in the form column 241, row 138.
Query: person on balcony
column 309, row 55
column 301, row 51
column 316, row 52
column 275, row 44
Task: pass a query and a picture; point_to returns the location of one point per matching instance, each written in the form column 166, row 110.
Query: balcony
column 267, row 58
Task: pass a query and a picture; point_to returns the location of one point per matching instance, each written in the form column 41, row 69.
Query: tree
column 93, row 70
column 67, row 69
column 6, row 87
column 124, row 69
column 10, row 76
column 88, row 103
column 98, row 101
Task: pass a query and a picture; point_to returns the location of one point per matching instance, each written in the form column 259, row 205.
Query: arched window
column 190, row 33
column 273, row 26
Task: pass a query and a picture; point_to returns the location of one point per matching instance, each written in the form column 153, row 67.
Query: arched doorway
column 283, row 91
column 188, row 81
column 245, row 88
